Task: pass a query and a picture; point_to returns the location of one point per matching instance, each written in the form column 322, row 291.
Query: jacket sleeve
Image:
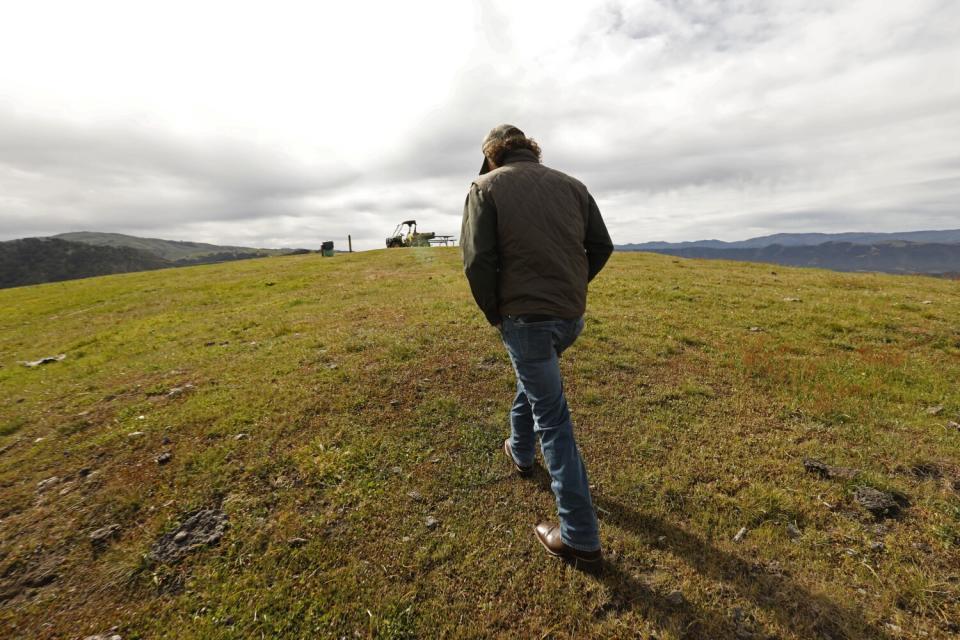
column 597, row 242
column 481, row 261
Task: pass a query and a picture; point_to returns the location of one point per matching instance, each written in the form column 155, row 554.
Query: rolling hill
column 37, row 260
column 172, row 250
column 892, row 257
column 83, row 254
column 311, row 448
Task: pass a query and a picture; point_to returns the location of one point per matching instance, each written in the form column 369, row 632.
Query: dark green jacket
column 532, row 238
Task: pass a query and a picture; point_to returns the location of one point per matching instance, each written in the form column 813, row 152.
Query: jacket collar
column 519, row 155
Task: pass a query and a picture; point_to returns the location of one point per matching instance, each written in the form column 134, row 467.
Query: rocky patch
column 205, row 527
column 103, row 535
column 880, row 503
column 830, row 472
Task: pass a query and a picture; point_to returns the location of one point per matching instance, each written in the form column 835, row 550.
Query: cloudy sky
column 288, row 123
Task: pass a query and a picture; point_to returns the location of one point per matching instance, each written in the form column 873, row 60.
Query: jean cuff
column 578, row 547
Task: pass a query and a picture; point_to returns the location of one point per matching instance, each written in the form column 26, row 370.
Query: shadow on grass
column 795, row 608
column 631, row 594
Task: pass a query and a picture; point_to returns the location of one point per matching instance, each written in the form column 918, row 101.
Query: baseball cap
column 498, row 134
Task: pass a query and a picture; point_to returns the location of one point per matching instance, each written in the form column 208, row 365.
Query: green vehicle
column 406, row 235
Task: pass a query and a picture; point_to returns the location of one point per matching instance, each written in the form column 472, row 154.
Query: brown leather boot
column 549, row 537
column 507, row 449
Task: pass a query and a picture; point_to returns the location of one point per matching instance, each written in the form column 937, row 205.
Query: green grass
column 373, row 396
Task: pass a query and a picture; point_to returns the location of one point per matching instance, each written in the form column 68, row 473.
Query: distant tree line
column 224, row 256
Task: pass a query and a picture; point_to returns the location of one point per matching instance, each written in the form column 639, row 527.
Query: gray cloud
column 686, row 119
column 55, row 174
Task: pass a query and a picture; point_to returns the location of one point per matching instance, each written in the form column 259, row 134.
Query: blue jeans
column 540, row 408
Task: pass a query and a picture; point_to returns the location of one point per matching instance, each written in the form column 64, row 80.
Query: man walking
column 532, row 238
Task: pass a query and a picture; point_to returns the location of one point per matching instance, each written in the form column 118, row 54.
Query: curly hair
column 498, row 149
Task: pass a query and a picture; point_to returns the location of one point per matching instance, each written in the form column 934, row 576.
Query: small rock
column 135, row 434
column 241, row 436
column 164, row 458
column 43, row 485
column 953, row 425
column 396, row 470
column 675, row 598
column 792, row 300
column 165, row 440
column 880, row 503
column 740, row 534
column 332, row 365
column 415, row 495
column 180, row 536
column 431, row 522
column 927, row 302
column 793, row 531
column 100, row 537
column 935, row 411
column 756, row 329
column 176, row 391
column 877, row 547
column 104, row 636
column 141, row 417
column 46, row 360
column 297, row 542
column 394, row 403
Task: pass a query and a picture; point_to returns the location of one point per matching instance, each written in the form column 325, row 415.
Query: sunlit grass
column 355, row 397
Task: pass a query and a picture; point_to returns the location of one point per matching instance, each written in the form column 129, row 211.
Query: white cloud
column 288, row 123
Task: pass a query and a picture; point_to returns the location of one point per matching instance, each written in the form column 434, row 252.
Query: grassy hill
column 328, row 407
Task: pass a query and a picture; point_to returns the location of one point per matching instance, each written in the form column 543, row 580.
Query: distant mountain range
column 804, row 240
column 917, row 252
column 85, row 254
